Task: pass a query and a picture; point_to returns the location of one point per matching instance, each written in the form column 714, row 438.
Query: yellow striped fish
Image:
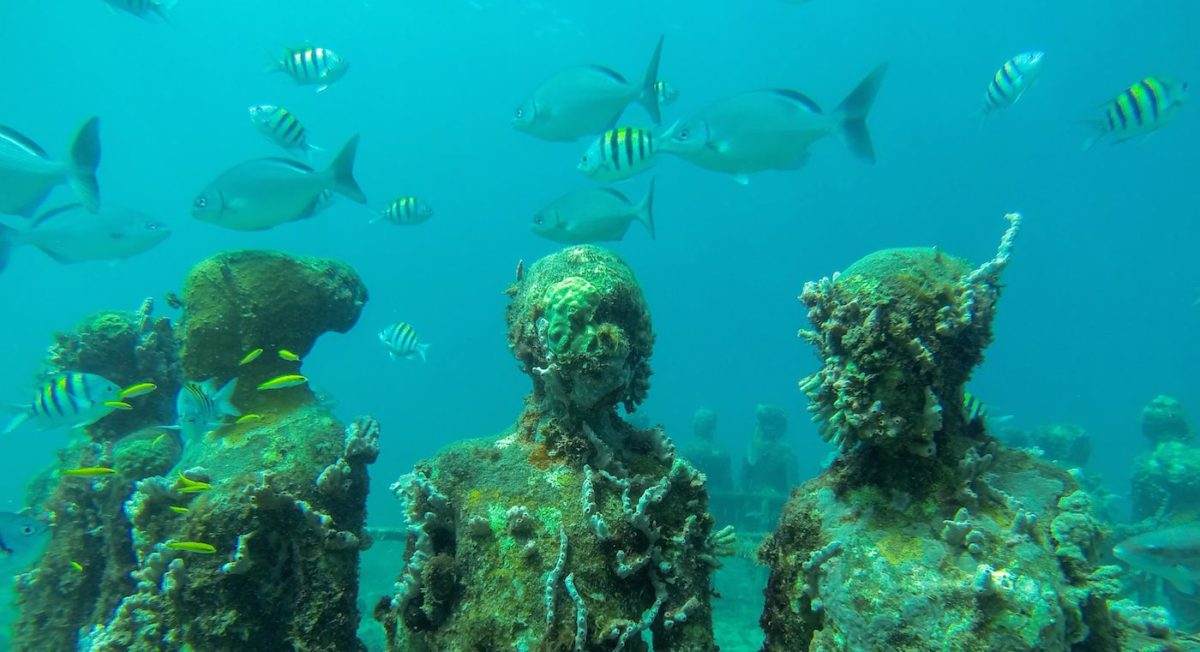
column 406, row 211
column 281, row 127
column 72, row 399
column 1138, row 110
column 312, row 66
column 619, row 154
column 973, row 408
column 1012, row 80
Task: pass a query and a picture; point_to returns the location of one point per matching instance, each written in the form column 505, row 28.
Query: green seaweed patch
column 550, row 517
column 899, row 548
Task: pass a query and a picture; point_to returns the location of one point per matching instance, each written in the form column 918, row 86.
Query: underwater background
column 1099, row 315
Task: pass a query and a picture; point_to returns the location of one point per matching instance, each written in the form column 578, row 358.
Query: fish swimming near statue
column 22, row 539
column 401, row 341
column 593, row 215
column 71, row 399
column 202, row 407
column 586, row 100
column 28, row 174
column 1172, row 554
column 72, row 234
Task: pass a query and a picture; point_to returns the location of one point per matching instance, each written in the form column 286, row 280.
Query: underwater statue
column 246, row 537
column 770, row 464
column 708, row 457
column 925, row 533
column 573, row 529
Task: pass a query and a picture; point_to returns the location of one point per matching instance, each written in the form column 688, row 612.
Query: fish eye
column 537, row 219
column 520, row 113
column 27, row 530
column 683, row 135
column 152, row 226
column 200, row 202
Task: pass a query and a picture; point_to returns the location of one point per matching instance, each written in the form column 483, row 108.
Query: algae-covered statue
column 709, row 457
column 925, row 533
column 573, row 530
column 243, row 538
column 770, row 464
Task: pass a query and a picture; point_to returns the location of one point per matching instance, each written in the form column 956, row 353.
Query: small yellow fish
column 140, row 389
column 251, row 357
column 179, row 510
column 186, row 485
column 248, row 418
column 192, row 546
column 118, row 405
column 89, row 471
column 288, row 355
column 77, row 566
column 158, row 439
column 282, row 382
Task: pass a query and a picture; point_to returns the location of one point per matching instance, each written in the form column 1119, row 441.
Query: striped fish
column 1012, row 80
column 401, row 341
column 281, row 127
column 1138, row 110
column 201, row 407
column 665, row 92
column 973, row 408
column 312, row 66
column 72, row 399
column 619, row 154
column 144, row 8
column 406, row 211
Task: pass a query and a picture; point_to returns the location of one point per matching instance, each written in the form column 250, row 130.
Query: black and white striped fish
column 401, row 341
column 144, row 8
column 201, row 407
column 72, row 399
column 406, row 211
column 311, row 66
column 1138, row 110
column 619, row 154
column 1012, row 80
column 281, row 127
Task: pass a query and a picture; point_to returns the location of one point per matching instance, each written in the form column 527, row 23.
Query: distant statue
column 770, row 465
column 711, row 459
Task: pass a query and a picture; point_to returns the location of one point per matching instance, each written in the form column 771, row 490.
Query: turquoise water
column 1100, row 312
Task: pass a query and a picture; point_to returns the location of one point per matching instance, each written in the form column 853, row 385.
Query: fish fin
column 722, row 146
column 649, row 96
column 341, row 172
column 853, row 114
column 85, row 158
column 422, row 351
column 392, row 355
column 222, row 400
column 645, row 213
column 322, row 88
column 1181, row 580
column 309, row 147
column 1099, row 127
column 742, row 179
column 54, row 212
column 58, row 258
column 162, row 9
column 18, row 419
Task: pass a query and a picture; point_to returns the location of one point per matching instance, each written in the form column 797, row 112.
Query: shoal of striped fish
column 1012, row 80
column 202, row 407
column 71, row 399
column 665, row 92
column 144, row 8
column 406, row 211
column 1139, row 110
column 281, row 127
column 28, row 174
column 401, row 341
column 282, row 382
column 312, row 66
column 619, row 154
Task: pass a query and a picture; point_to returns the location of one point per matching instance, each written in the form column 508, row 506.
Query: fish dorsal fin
column 55, row 212
column 609, row 72
column 616, row 193
column 799, row 98
column 295, row 165
column 22, row 141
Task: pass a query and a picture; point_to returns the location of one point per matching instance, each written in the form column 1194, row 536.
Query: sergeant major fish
column 201, row 407
column 310, row 65
column 281, row 127
column 71, row 399
column 22, row 539
column 593, row 215
column 1012, row 80
column 406, row 211
column 264, row 193
column 1139, row 110
column 1172, row 554
column 70, row 234
column 401, row 341
column 772, row 129
column 585, row 100
column 27, row 174
column 619, row 154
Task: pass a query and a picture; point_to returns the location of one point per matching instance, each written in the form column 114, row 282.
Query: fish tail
column 341, row 172
column 645, row 212
column 422, row 350
column 85, row 158
column 17, row 421
column 649, row 96
column 853, row 113
column 1100, row 129
column 223, row 400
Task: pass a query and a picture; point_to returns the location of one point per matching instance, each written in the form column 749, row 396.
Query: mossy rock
column 905, row 277
column 148, row 452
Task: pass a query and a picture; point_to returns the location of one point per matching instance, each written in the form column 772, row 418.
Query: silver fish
column 309, row 65
column 771, row 129
column 22, row 539
column 70, row 234
column 144, row 8
column 1172, row 554
column 27, row 174
column 201, row 407
column 593, row 215
column 281, row 127
column 585, row 100
column 264, row 193
column 402, row 341
column 71, row 399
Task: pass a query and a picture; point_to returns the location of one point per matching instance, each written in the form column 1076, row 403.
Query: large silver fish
column 1172, row 554
column 22, row 540
column 586, row 100
column 264, row 193
column 70, row 234
column 771, row 129
column 593, row 215
column 28, row 174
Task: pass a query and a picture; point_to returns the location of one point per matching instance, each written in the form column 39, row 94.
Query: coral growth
column 1163, row 419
